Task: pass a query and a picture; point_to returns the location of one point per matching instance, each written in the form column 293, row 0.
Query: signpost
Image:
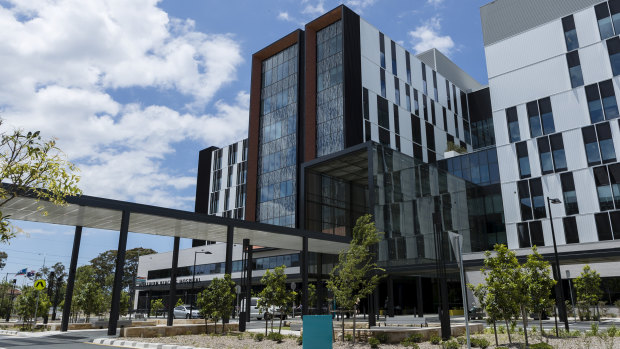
column 39, row 285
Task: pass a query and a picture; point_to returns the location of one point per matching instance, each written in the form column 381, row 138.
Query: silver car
column 183, row 312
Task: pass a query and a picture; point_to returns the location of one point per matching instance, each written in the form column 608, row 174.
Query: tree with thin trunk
column 537, row 283
column 356, row 275
column 36, row 167
column 217, row 300
column 502, row 274
column 274, row 296
column 588, row 288
column 488, row 303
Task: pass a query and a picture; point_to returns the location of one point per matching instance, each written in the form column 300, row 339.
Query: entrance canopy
column 100, row 213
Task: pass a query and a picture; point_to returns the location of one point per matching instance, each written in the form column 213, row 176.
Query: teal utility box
column 317, row 332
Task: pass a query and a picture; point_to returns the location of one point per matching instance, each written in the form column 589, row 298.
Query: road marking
column 103, row 345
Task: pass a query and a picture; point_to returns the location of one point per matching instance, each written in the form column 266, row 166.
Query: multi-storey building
column 344, row 121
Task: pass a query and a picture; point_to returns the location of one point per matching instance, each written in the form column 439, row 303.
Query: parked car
column 476, row 313
column 258, row 315
column 183, row 312
column 535, row 316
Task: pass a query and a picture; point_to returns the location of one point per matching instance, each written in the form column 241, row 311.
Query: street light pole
column 558, row 275
column 191, row 304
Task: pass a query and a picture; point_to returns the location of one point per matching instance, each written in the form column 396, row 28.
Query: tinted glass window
column 604, row 21
column 523, row 234
column 614, row 180
column 544, row 151
column 570, row 230
column 546, row 115
column 524, row 161
column 536, row 233
column 383, row 113
column 415, row 129
column 603, row 227
column 557, row 148
column 538, row 200
column 614, row 6
column 570, row 34
column 574, row 69
column 591, row 145
column 430, row 137
column 613, row 48
column 608, row 153
column 609, row 99
column 615, row 224
column 382, row 73
column 534, row 119
column 594, row 103
column 524, row 200
column 569, row 194
column 513, row 124
column 382, row 49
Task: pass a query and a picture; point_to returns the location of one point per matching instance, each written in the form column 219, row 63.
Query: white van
column 255, row 313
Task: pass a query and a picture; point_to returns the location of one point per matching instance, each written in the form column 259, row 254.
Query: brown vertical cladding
column 253, row 129
column 310, row 79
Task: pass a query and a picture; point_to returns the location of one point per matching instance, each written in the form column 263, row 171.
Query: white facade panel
column 511, row 236
column 586, row 228
column 525, row 85
column 372, row 106
column 510, row 199
column 587, row 27
column 441, row 89
column 532, row 152
column 527, row 48
column 585, row 188
column 574, row 150
column 553, row 188
column 595, row 64
column 401, row 63
column 369, row 42
column 405, row 123
column 371, row 79
column 570, row 110
column 441, row 142
column 500, row 124
column 508, row 166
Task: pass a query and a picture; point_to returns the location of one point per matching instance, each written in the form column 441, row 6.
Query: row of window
column 232, row 155
column 278, row 160
column 214, row 199
column 531, row 233
column 263, row 263
column 276, row 191
column 607, row 181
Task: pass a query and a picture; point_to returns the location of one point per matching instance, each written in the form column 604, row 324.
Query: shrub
column 593, row 330
column 240, row 336
column 275, row 336
column 300, row 340
column 452, row 344
column 408, row 344
column 435, row 339
column 501, row 329
column 348, row 337
column 480, row 343
column 461, row 340
column 501, row 347
column 374, row 342
column 259, row 337
column 613, row 331
column 541, row 345
column 412, row 340
column 382, row 337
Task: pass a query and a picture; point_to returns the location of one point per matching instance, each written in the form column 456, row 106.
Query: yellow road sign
column 39, row 284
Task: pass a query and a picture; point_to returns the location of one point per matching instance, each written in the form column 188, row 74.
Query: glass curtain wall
column 278, row 139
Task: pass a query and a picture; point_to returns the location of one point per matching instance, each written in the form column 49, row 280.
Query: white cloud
column 359, row 5
column 427, row 36
column 284, row 16
column 434, row 2
column 314, row 8
column 61, row 61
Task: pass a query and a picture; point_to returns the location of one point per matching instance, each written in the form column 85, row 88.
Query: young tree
column 488, row 304
column 356, row 274
column 156, row 306
column 274, row 295
column 537, row 283
column 217, row 300
column 124, row 303
column 26, row 304
column 34, row 165
column 588, row 288
column 502, row 274
column 88, row 295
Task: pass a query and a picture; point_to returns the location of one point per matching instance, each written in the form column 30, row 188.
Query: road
column 69, row 340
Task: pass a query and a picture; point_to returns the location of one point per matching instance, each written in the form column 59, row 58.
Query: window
column 615, row 224
column 433, row 118
column 424, row 83
column 613, row 49
column 396, row 128
column 614, row 6
column 242, row 173
column 513, row 124
column 530, row 234
column 614, row 179
column 382, row 49
column 570, row 33
column 570, row 230
column 538, row 199
column 383, row 93
column 546, row 115
column 456, row 126
column 524, row 160
column 396, row 90
column 416, row 104
column 435, row 93
column 408, row 64
column 456, row 106
column 448, row 95
column 605, row 27
column 217, row 180
column 244, row 156
column 525, row 202
column 424, row 108
column 240, row 199
column 608, row 96
column 466, row 132
column 232, row 154
column 407, row 98
column 603, row 228
column 394, row 68
column 430, row 137
column 226, row 199
column 365, row 105
column 416, row 129
column 217, row 161
column 594, row 103
column 557, row 149
column 574, row 69
column 445, row 120
column 534, row 119
column 591, row 145
column 568, row 192
column 383, row 113
column 464, row 106
column 606, row 143
column 229, row 176
column 214, row 202
column 544, row 151
column 603, row 189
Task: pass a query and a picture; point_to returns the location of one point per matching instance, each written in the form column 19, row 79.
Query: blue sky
column 134, row 89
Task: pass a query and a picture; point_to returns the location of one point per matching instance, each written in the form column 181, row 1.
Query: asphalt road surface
column 69, row 340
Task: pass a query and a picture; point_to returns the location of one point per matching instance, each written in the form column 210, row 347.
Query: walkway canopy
column 100, row 213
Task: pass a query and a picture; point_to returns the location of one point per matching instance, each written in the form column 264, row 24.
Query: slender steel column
column 304, row 276
column 230, row 234
column 390, row 291
column 559, row 287
column 419, row 296
column 173, row 281
column 248, row 301
column 66, row 310
column 118, row 274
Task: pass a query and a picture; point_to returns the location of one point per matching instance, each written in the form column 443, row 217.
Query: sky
column 132, row 90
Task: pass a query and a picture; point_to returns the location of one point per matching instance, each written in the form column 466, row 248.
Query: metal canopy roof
column 100, row 213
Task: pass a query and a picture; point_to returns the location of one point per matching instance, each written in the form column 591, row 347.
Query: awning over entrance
column 100, row 213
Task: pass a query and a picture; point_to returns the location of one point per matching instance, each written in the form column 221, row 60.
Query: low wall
column 176, row 330
column 396, row 335
column 101, row 324
column 164, row 321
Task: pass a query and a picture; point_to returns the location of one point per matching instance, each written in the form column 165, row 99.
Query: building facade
column 344, row 121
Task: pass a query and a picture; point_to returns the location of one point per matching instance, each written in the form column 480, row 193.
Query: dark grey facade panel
column 502, row 19
column 203, row 180
column 353, row 121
